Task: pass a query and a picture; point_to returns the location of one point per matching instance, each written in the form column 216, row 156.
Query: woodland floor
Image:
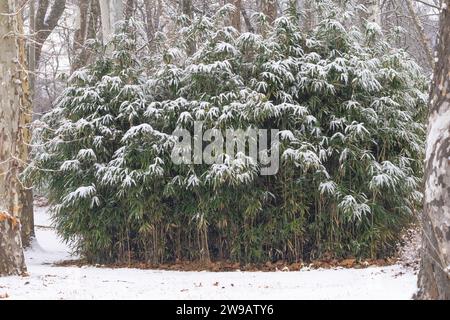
column 50, row 279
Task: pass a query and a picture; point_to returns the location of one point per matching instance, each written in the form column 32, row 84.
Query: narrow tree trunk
column 26, row 111
column 111, row 13
column 373, row 11
column 46, row 21
column 269, row 8
column 236, row 18
column 80, row 35
column 11, row 255
column 248, row 23
column 424, row 41
column 434, row 276
column 310, row 19
column 31, row 47
column 129, row 9
column 186, row 9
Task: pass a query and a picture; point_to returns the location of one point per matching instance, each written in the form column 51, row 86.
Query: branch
column 427, row 4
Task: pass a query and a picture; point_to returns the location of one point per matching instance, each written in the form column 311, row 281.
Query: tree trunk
column 247, row 21
column 310, row 19
column 269, row 8
column 111, row 13
column 186, row 9
column 88, row 16
column 236, row 18
column 46, row 22
column 424, row 41
column 434, row 276
column 11, row 255
column 26, row 111
column 129, row 9
column 373, row 11
column 31, row 47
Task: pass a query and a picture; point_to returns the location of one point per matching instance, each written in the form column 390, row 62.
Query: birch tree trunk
column 11, row 255
column 434, row 276
column 111, row 13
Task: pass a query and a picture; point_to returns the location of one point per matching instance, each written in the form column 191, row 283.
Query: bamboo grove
column 349, row 108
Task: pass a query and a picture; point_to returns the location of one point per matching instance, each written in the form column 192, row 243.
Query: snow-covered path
column 50, row 282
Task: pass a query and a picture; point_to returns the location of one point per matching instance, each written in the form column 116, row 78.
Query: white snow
column 46, row 281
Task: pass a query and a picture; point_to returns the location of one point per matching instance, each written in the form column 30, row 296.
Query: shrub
column 349, row 108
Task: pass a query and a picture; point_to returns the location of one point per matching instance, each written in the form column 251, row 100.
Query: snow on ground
column 46, row 281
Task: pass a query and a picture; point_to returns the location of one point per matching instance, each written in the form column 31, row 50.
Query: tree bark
column 424, row 41
column 46, row 22
column 129, row 9
column 186, row 9
column 236, row 18
column 269, row 8
column 11, row 254
column 310, row 20
column 248, row 23
column 111, row 13
column 434, row 276
column 88, row 17
column 24, row 139
column 373, row 11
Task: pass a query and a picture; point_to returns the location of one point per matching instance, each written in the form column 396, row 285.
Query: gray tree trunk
column 374, row 11
column 86, row 28
column 186, row 9
column 11, row 254
column 434, row 276
column 111, row 13
column 269, row 8
column 46, row 20
column 25, row 213
column 424, row 41
column 236, row 18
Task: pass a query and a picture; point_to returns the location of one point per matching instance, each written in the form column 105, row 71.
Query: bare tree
column 47, row 17
column 88, row 19
column 434, row 276
column 11, row 255
column 42, row 23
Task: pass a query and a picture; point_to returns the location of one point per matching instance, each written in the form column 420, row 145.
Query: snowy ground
column 46, row 281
